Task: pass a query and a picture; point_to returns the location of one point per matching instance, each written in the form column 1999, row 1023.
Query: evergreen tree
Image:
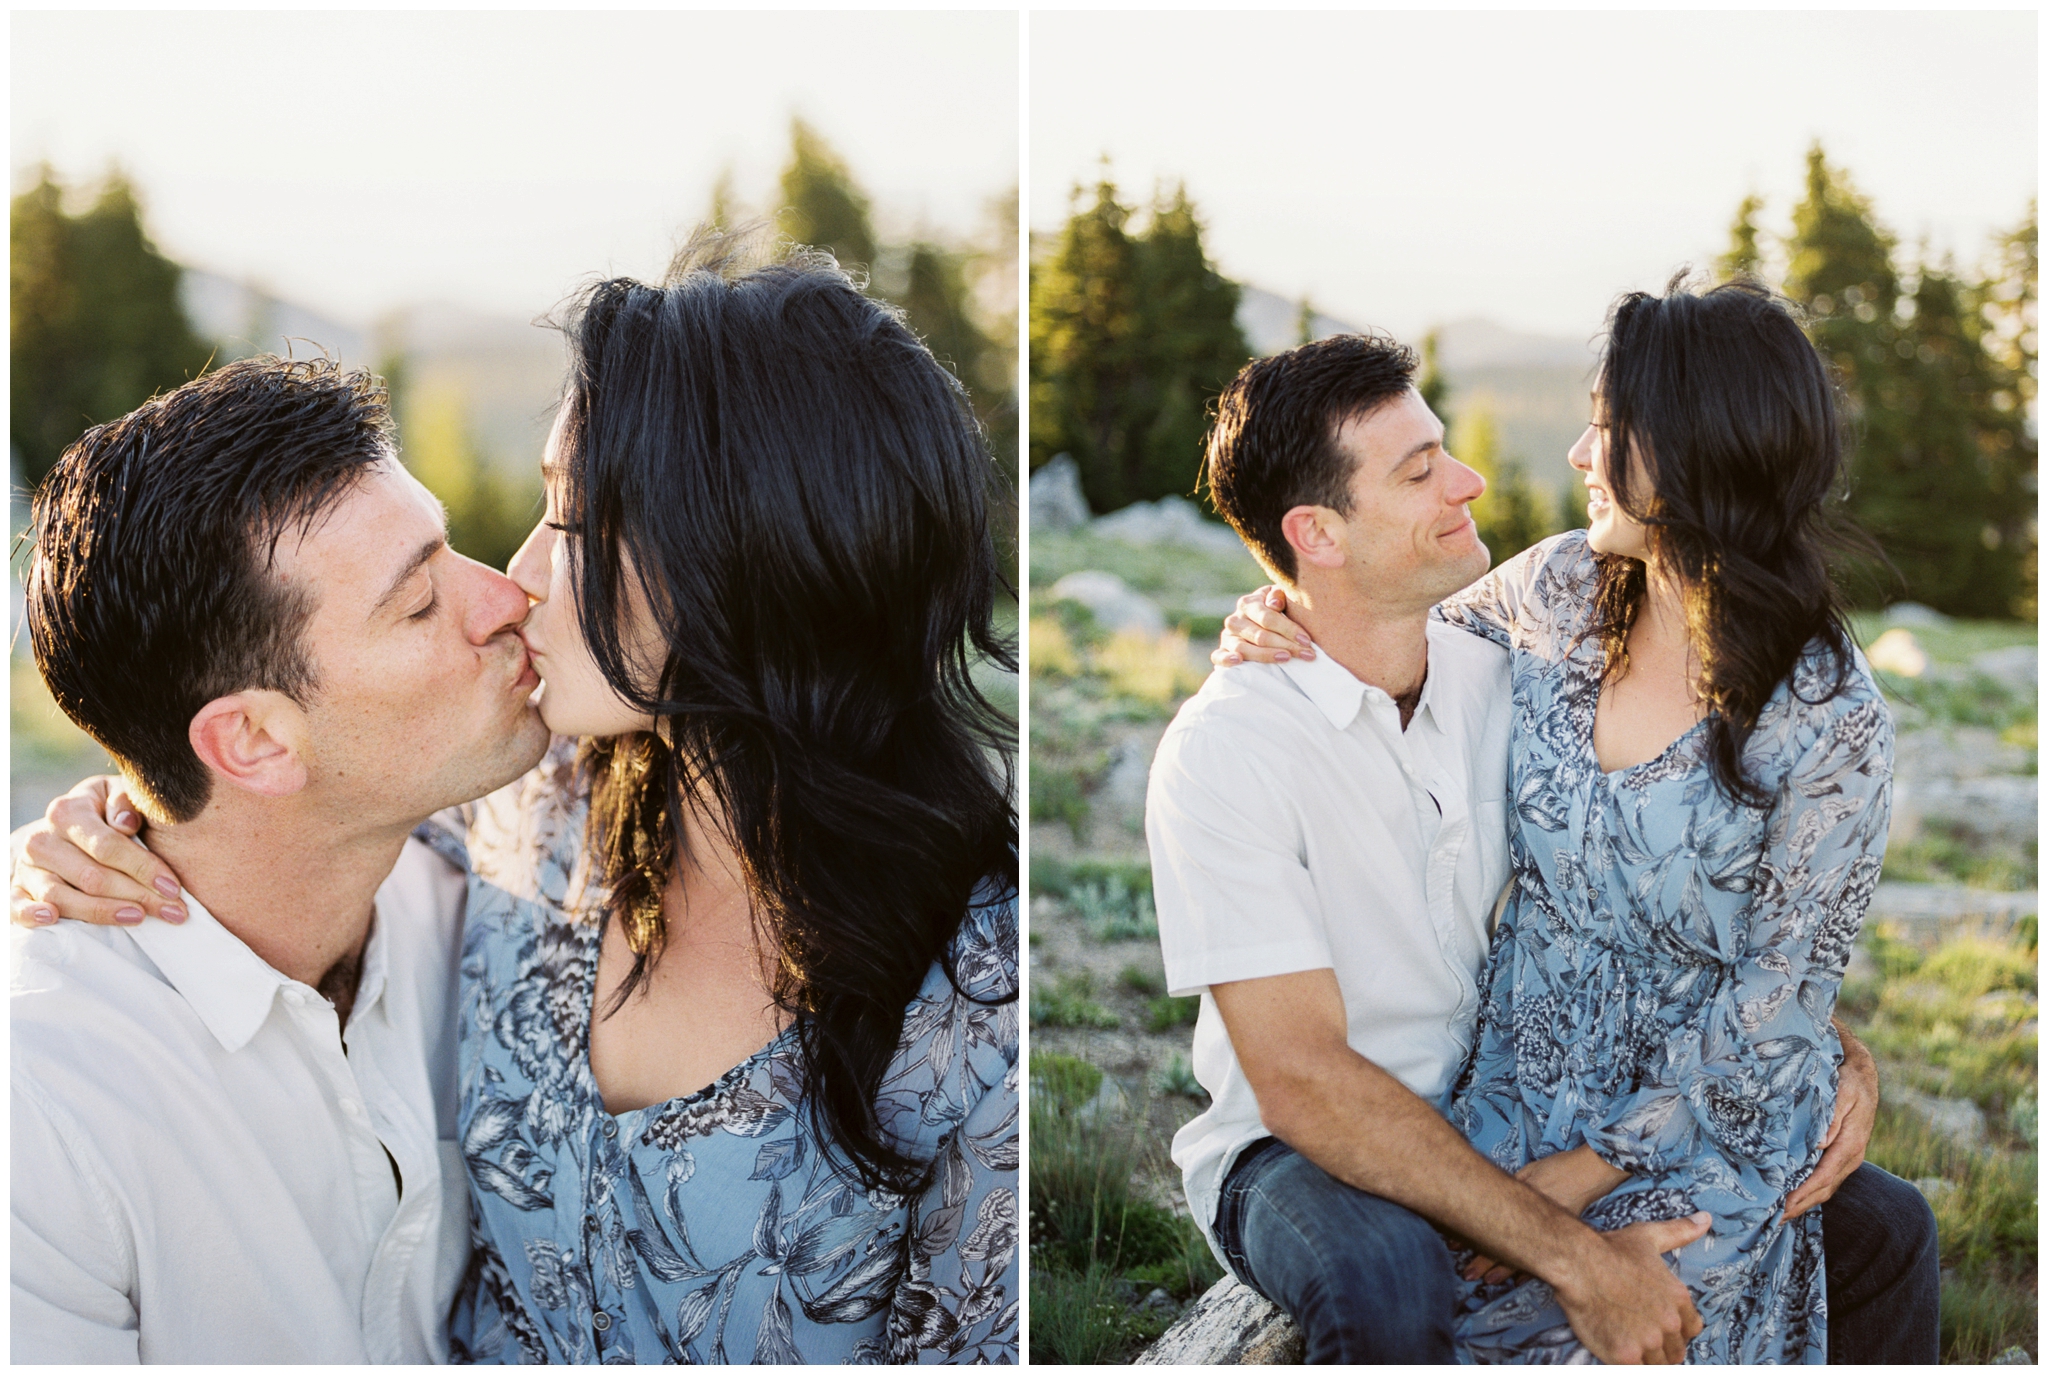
column 487, row 518
column 821, row 205
column 1188, row 316
column 1087, row 350
column 1511, row 514
column 1434, row 386
column 1934, row 471
column 1132, row 338
column 97, row 326
column 1743, row 259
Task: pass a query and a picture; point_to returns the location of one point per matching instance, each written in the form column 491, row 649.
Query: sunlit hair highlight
column 770, row 462
column 1729, row 414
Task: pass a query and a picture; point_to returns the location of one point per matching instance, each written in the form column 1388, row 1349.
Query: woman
column 738, row 1028
column 1701, row 782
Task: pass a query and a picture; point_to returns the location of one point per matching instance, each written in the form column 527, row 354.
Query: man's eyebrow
column 412, row 565
column 1424, row 447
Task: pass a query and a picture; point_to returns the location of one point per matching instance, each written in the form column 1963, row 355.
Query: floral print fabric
column 715, row 1227
column 1662, row 981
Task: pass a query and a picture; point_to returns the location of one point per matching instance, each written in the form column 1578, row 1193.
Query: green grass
column 1169, row 1014
column 1115, row 911
column 43, row 737
column 1142, row 982
column 1179, row 1078
column 1070, row 1002
column 1097, row 1246
column 1172, row 575
column 1058, row 877
column 1944, row 853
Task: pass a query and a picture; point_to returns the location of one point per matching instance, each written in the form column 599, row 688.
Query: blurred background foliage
column 1134, row 334
column 99, row 325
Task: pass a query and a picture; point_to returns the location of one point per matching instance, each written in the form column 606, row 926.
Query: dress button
column 611, row 1126
column 602, row 1322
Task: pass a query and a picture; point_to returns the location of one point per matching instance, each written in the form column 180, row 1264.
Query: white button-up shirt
column 200, row 1173
column 1294, row 825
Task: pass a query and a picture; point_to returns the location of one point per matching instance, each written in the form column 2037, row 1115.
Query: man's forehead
column 367, row 535
column 1390, row 431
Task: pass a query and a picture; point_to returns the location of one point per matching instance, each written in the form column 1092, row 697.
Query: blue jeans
column 1371, row 1283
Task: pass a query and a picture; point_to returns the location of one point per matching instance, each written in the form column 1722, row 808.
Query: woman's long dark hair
column 799, row 493
column 1731, row 414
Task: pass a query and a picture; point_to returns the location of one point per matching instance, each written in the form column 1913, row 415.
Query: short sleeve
column 72, row 1268
column 1230, row 878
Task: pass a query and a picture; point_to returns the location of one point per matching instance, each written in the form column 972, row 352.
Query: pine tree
column 1743, row 258
column 1189, row 323
column 1511, row 514
column 1434, row 386
column 97, row 326
column 821, row 205
column 1087, row 354
column 1936, row 471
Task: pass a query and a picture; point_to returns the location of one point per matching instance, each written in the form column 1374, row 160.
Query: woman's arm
column 959, row 1302
column 1742, row 1080
column 1261, row 631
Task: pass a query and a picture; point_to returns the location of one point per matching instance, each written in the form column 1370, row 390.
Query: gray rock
column 1169, row 520
column 1229, row 1325
column 1960, row 1120
column 1994, row 807
column 1926, row 913
column 1934, row 1188
column 1123, row 783
column 2013, row 1355
column 1056, row 499
column 1112, row 601
column 2017, row 667
column 1913, row 613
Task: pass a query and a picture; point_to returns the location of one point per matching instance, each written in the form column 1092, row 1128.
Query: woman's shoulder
column 960, row 1033
column 1544, row 588
column 527, row 837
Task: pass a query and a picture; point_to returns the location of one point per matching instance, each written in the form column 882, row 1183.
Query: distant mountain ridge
column 1533, row 385
column 506, row 374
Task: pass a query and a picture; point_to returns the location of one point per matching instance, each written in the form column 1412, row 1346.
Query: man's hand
column 1849, row 1132
column 1571, row 1179
column 1623, row 1301
column 76, row 863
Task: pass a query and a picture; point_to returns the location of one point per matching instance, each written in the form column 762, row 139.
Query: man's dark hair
column 150, row 588
column 1274, row 444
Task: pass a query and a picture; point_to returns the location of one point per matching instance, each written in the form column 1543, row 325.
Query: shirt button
column 352, row 1107
column 294, row 997
column 601, row 1321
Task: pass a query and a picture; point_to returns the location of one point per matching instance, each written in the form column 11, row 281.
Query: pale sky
column 353, row 162
column 1406, row 169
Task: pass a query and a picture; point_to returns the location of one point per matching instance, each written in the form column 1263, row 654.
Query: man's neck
column 298, row 892
column 1383, row 644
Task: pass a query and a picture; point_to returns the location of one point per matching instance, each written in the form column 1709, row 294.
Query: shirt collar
column 1331, row 686
column 223, row 980
column 229, row 985
column 1339, row 695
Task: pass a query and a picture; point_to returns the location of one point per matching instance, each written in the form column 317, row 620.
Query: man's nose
column 496, row 604
column 1466, row 485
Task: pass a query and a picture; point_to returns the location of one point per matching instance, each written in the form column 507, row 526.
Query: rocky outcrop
column 1229, row 1325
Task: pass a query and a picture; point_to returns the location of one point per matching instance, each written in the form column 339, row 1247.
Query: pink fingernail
column 129, row 916
column 165, row 886
column 1281, row 656
column 43, row 915
column 171, row 913
column 126, row 820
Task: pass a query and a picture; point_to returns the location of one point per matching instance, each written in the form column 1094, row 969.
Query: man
column 1328, row 838
column 233, row 1135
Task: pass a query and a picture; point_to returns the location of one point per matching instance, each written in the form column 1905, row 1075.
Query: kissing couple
column 665, row 1014
column 1518, row 903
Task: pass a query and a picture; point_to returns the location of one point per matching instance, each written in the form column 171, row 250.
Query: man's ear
column 254, row 740
column 1316, row 534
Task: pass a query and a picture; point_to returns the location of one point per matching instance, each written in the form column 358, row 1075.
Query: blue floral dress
column 1662, row 981
column 716, row 1227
